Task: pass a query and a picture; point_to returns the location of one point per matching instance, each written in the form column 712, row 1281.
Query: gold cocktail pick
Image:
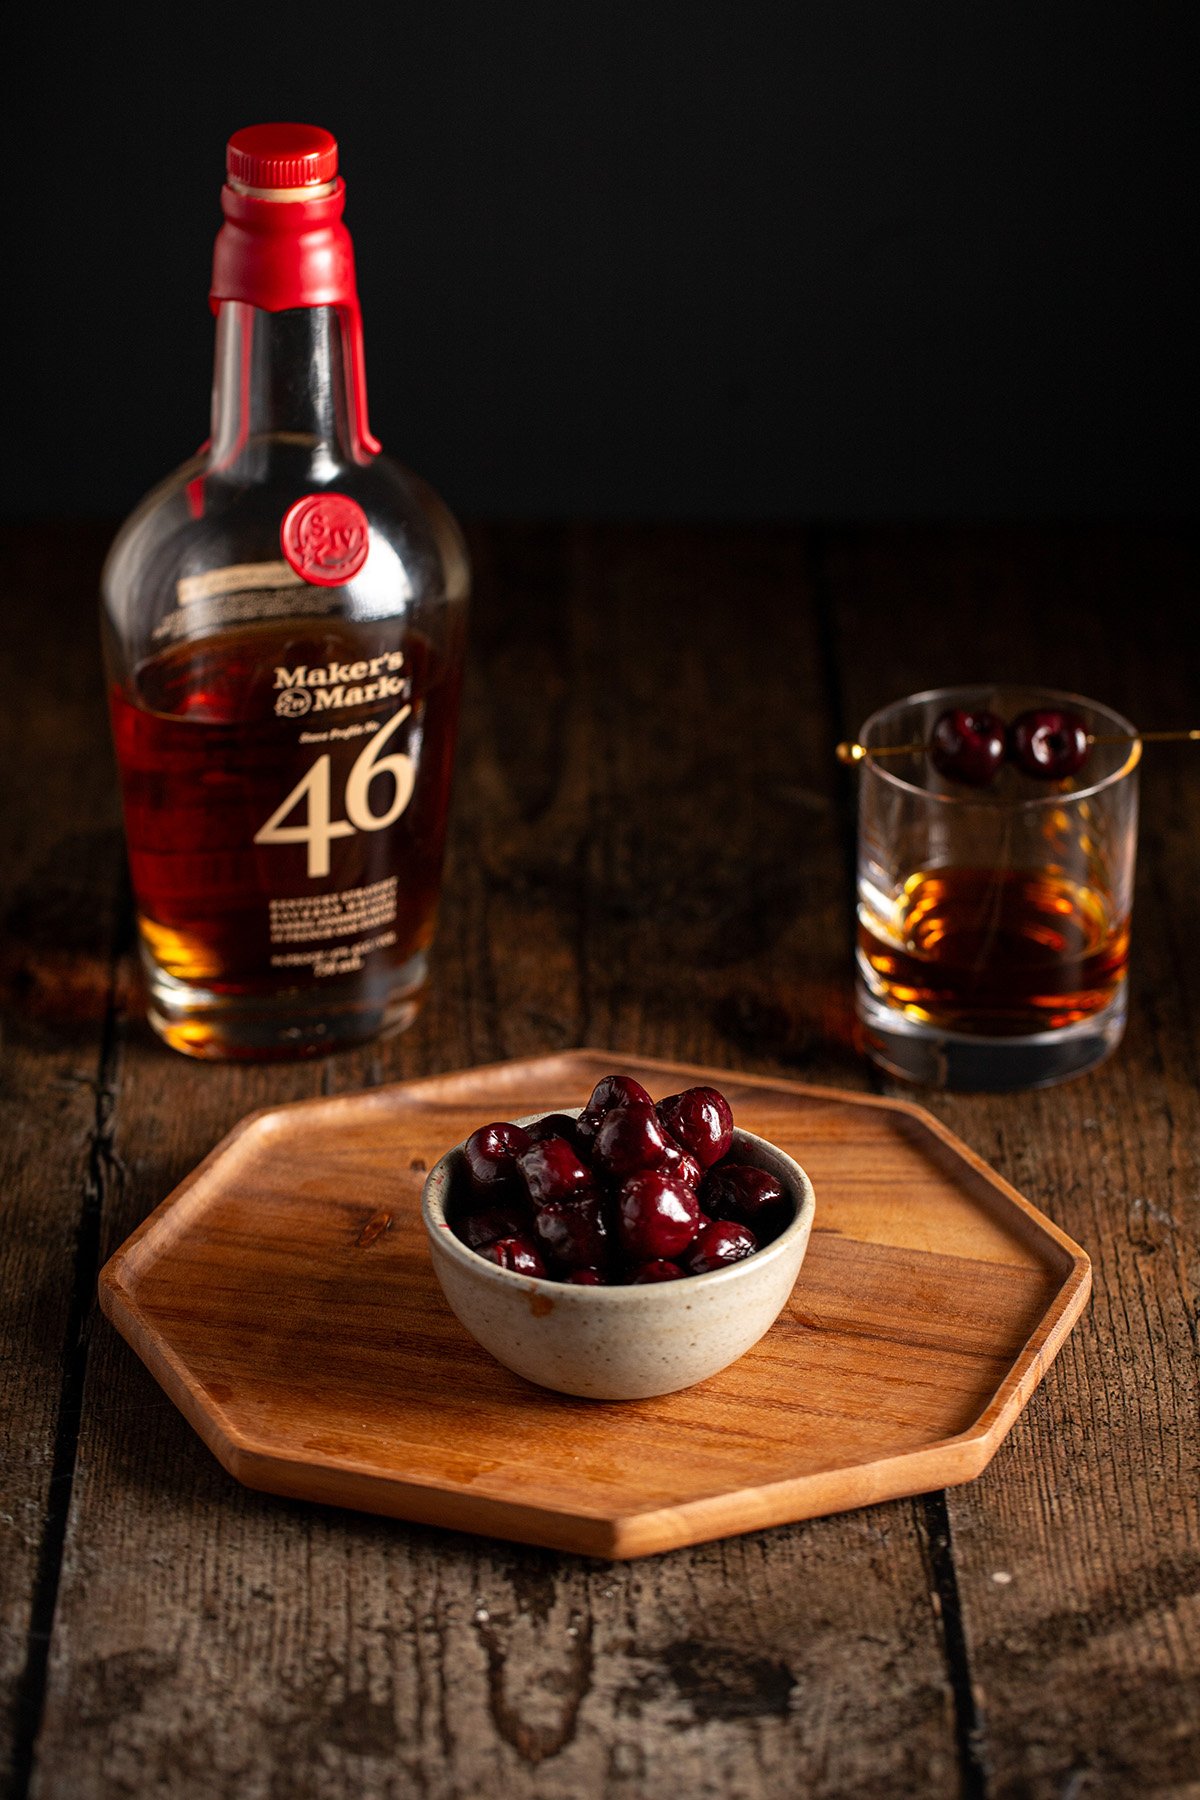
column 852, row 753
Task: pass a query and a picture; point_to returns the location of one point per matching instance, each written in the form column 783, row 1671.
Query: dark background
column 711, row 260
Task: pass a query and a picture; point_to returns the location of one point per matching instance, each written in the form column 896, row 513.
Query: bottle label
column 309, row 814
column 285, row 785
column 305, row 931
column 338, row 684
column 325, row 538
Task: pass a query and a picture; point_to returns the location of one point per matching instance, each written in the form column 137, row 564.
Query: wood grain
column 1077, row 1560
column 207, row 1638
column 313, row 1351
column 649, row 852
column 59, row 879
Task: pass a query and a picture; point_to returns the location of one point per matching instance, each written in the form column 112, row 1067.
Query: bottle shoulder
column 409, row 501
column 203, row 521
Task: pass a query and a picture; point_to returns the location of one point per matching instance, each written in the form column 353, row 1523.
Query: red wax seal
column 325, row 538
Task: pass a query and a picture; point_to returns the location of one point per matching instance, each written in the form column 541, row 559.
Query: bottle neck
column 283, row 381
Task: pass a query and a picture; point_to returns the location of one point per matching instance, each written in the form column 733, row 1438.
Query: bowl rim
column 442, row 1235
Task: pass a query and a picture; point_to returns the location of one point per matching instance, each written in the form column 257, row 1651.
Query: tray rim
column 635, row 1532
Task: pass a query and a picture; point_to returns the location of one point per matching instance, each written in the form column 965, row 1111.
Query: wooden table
column 651, row 852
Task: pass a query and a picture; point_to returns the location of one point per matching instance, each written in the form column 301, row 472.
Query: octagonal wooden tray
column 284, row 1298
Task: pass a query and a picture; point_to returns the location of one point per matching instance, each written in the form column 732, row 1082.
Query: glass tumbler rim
column 974, row 797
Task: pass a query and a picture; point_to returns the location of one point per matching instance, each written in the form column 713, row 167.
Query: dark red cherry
column 573, row 1233
column 553, row 1125
column 587, row 1278
column 658, row 1270
column 683, row 1167
column 552, row 1171
column 748, row 1195
column 615, row 1090
column 656, row 1216
column 968, row 745
column 1048, row 744
column 586, row 1126
column 514, row 1253
column 507, row 1218
column 718, row 1245
column 491, row 1154
column 630, row 1138
column 700, row 1121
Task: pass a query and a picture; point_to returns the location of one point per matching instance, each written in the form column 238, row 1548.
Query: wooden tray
column 283, row 1296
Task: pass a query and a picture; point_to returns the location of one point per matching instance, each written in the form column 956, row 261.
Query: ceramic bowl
column 621, row 1343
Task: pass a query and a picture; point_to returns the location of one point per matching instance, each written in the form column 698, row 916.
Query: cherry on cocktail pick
column 1047, row 744
column 968, row 745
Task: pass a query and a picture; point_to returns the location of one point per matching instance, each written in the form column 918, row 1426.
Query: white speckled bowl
column 621, row 1343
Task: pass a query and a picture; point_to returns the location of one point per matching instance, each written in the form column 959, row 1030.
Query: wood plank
column 209, row 1640
column 59, row 878
column 319, row 1362
column 1076, row 1559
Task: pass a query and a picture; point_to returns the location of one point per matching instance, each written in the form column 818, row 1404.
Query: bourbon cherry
column 514, row 1253
column 507, row 1218
column 719, row 1243
column 553, row 1125
column 748, row 1195
column 573, row 1233
column 552, row 1171
column 683, row 1167
column 626, row 1192
column 656, row 1216
column 968, row 745
column 630, row 1138
column 700, row 1121
column 491, row 1154
column 586, row 1126
column 1048, row 744
column 616, row 1090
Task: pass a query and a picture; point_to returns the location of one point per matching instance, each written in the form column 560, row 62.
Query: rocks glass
column 993, row 922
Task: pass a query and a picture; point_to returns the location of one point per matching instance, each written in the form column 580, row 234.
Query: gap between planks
column 931, row 1516
column 102, row 1172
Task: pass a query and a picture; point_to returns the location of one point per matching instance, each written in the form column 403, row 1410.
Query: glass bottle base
column 914, row 1050
column 286, row 1027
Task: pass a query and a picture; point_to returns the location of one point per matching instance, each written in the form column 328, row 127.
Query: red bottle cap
column 283, row 243
column 281, row 156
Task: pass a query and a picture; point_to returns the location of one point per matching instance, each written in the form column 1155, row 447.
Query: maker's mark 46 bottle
column 284, row 627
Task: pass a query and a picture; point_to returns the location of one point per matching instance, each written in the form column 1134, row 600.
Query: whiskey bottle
column 284, row 623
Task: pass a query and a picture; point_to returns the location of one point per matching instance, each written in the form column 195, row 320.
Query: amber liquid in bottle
column 283, row 622
column 286, row 839
column 996, row 951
